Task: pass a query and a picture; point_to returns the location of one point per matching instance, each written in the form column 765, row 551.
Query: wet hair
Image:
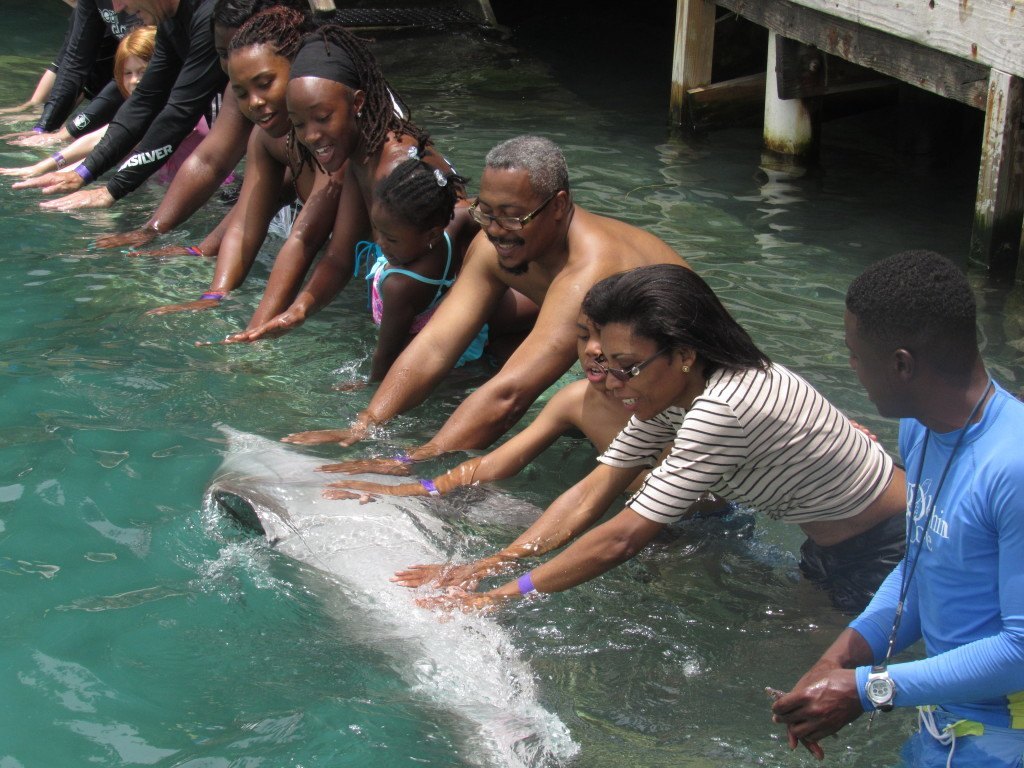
column 918, row 301
column 673, row 307
column 140, row 42
column 380, row 116
column 279, row 27
column 232, row 14
column 539, row 157
column 421, row 194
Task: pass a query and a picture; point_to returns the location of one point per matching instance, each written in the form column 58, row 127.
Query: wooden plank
column 692, row 54
column 934, row 71
column 999, row 207
column 726, row 103
column 987, row 32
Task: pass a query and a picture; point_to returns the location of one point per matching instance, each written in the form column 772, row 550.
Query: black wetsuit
column 181, row 84
column 86, row 63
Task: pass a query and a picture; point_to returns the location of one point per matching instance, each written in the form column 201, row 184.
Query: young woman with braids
column 259, row 60
column 342, row 109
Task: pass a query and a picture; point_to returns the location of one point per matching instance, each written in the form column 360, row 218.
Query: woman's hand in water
column 189, row 306
column 134, row 239
column 25, row 172
column 395, row 467
column 456, row 599
column 337, row 494
column 275, row 326
column 465, row 576
column 363, row 489
column 38, row 140
column 54, row 182
column 86, row 198
column 167, row 251
column 14, row 138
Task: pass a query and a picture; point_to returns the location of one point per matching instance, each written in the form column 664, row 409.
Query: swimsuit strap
column 441, row 283
column 366, row 253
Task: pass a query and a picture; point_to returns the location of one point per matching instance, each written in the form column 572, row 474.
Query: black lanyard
column 908, row 573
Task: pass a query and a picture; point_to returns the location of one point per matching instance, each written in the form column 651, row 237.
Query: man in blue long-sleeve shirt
column 911, row 332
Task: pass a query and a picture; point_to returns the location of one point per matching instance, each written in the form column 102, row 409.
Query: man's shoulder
column 611, row 245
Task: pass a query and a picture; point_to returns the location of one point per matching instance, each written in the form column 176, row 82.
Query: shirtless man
column 534, row 239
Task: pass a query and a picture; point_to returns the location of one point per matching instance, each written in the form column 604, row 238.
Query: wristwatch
column 880, row 689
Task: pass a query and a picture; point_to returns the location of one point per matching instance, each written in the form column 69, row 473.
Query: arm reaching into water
column 198, row 178
column 569, row 515
column 505, row 461
column 281, row 310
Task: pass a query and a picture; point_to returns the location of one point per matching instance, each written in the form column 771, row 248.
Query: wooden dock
column 971, row 51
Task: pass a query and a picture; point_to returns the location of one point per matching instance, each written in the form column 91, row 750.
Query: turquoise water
column 140, row 628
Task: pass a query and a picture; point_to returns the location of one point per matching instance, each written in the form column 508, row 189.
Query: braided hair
column 278, row 26
column 383, row 111
column 421, row 194
column 232, row 14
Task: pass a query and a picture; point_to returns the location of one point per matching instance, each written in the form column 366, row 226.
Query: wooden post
column 694, row 46
column 788, row 123
column 999, row 206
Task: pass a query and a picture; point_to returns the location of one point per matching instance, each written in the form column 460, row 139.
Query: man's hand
column 86, row 198
column 344, row 437
column 822, row 703
column 53, row 183
column 134, row 239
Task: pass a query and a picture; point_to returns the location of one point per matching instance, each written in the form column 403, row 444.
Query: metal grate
column 403, row 17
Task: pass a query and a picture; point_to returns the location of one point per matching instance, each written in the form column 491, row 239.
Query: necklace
column 908, row 573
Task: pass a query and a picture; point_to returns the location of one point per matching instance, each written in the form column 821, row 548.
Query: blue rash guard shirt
column 179, row 86
column 966, row 597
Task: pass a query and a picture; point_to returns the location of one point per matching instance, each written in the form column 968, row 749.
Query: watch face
column 880, row 691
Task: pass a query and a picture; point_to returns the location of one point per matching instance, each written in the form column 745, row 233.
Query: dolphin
column 466, row 664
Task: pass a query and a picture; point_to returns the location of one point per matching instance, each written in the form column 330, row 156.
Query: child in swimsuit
column 422, row 228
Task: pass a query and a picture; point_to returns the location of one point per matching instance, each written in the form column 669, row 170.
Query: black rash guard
column 87, row 58
column 179, row 85
column 98, row 112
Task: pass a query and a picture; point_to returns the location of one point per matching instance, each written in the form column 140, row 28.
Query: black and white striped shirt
column 762, row 438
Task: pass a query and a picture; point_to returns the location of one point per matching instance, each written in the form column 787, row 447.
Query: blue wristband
column 38, row 129
column 431, row 488
column 405, row 458
column 84, row 172
column 525, row 583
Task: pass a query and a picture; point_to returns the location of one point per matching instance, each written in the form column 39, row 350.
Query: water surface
column 138, row 628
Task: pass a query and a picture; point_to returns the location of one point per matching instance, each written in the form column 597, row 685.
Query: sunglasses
column 625, row 374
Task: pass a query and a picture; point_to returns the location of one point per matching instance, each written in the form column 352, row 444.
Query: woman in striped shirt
column 738, row 425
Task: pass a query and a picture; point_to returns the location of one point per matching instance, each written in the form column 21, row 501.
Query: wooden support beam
column 908, row 61
column 725, row 104
column 694, row 46
column 789, row 125
column 999, row 206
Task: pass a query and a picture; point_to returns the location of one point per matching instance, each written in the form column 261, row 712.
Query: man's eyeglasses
column 510, row 223
column 625, row 374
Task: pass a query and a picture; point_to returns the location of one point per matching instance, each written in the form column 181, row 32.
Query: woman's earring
column 686, row 369
column 359, row 114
